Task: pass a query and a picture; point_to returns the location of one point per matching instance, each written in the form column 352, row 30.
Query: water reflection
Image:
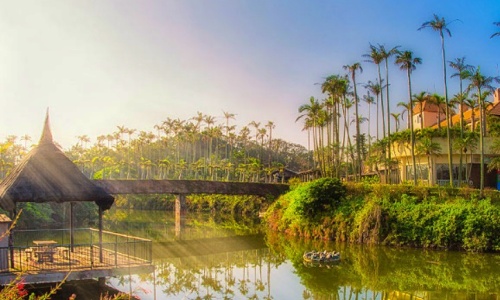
column 390, row 273
column 224, row 259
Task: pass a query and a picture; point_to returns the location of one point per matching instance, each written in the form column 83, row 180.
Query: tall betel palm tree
column 335, row 86
column 420, row 98
column 352, row 70
column 407, row 62
column 369, row 100
column 270, row 125
column 480, row 83
column 439, row 101
column 376, row 57
column 396, row 120
column 463, row 71
column 408, row 110
column 376, row 89
column 386, row 54
column 312, row 113
column 440, row 25
column 227, row 116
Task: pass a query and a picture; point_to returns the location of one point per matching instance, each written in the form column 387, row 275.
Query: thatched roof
column 47, row 175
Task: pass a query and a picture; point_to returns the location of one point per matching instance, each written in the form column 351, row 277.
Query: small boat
column 321, row 257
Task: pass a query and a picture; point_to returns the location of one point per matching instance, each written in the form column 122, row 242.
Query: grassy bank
column 397, row 215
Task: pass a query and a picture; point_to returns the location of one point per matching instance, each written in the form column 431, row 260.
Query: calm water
column 230, row 259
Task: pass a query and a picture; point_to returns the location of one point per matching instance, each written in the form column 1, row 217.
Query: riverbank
column 394, row 215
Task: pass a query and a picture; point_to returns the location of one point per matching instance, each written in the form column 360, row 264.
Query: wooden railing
column 89, row 251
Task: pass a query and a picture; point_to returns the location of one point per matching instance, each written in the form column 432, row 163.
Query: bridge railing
column 114, row 250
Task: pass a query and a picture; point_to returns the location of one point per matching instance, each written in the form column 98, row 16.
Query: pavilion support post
column 180, row 213
column 100, row 234
column 71, row 225
column 11, row 239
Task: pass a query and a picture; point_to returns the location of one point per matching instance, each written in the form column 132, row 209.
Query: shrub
column 301, row 210
column 320, row 196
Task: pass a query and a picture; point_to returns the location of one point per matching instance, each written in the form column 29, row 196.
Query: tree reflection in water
column 271, row 267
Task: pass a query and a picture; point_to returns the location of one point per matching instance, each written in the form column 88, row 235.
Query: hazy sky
column 100, row 64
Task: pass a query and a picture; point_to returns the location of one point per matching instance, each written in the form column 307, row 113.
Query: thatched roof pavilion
column 47, row 175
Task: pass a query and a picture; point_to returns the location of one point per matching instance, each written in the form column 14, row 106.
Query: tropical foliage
column 197, row 148
column 393, row 215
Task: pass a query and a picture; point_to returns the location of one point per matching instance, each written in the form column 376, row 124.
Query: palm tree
column 26, row 138
column 440, row 25
column 244, row 138
column 376, row 89
column 376, row 56
column 256, row 125
column 472, row 104
column 262, row 134
column 480, row 83
column 369, row 100
column 311, row 113
column 210, row 122
column 84, row 140
column 386, row 54
column 396, row 120
column 439, row 101
column 352, row 70
column 407, row 62
column 496, row 33
column 270, row 125
column 227, row 116
column 463, row 72
column 468, row 144
column 347, row 150
column 109, row 139
column 420, row 99
column 129, row 133
column 336, row 87
column 428, row 148
column 408, row 110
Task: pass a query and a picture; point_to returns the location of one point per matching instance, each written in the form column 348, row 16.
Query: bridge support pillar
column 180, row 214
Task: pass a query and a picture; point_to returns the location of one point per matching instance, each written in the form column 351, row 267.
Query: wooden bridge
column 190, row 187
column 181, row 188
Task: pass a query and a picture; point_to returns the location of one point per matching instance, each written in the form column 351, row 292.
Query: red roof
column 428, row 106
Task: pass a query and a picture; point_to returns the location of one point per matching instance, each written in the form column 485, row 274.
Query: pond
column 224, row 258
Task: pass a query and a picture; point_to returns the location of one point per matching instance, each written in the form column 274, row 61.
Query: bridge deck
column 187, row 187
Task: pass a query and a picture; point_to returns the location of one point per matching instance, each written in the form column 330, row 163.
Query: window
column 422, row 172
column 443, row 172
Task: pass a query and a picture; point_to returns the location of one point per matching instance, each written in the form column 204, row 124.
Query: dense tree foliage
column 197, row 148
